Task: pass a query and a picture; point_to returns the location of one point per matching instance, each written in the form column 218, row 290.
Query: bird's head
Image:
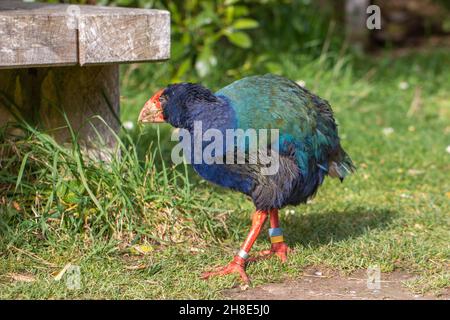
column 178, row 104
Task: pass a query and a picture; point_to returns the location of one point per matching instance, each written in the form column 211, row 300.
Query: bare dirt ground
column 318, row 284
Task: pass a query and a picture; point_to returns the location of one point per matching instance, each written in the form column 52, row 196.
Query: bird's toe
column 232, row 267
column 279, row 249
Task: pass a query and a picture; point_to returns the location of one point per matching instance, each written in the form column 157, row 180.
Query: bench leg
column 82, row 93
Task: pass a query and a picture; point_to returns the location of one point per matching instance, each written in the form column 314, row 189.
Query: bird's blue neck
column 213, row 115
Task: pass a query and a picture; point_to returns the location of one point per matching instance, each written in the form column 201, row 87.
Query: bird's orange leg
column 238, row 263
column 279, row 247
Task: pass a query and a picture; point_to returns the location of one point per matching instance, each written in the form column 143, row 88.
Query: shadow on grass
column 316, row 229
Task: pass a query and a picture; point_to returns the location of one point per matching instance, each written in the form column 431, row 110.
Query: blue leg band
column 275, row 232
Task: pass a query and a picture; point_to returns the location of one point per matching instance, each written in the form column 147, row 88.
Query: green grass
column 394, row 212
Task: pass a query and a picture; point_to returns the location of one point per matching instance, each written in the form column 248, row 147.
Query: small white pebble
column 403, row 85
column 388, row 131
column 301, row 83
column 448, row 149
column 318, row 273
column 129, row 125
column 244, row 287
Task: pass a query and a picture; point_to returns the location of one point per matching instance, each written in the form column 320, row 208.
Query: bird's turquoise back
column 305, row 121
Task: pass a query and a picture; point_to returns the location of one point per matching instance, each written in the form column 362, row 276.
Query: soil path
column 316, row 284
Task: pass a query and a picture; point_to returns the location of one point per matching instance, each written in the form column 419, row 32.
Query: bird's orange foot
column 235, row 266
column 280, row 249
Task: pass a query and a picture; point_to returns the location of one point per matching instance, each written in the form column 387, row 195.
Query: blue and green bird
column 307, row 145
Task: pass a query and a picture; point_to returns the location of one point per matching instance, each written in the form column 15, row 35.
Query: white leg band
column 243, row 254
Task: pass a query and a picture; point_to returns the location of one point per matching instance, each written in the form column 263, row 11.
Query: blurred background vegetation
column 216, row 42
column 241, row 37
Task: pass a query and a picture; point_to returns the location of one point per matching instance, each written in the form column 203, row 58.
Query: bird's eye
column 162, row 99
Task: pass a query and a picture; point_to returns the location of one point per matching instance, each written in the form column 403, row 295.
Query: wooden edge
column 45, row 35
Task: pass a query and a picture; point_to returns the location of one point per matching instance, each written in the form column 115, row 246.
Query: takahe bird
column 308, row 146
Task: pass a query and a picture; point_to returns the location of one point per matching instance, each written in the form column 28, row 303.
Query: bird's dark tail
column 340, row 164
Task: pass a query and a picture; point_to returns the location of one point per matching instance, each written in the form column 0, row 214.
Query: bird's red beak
column 152, row 110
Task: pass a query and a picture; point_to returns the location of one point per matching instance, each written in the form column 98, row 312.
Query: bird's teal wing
column 305, row 122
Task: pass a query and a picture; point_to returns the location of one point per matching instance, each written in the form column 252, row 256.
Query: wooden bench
column 56, row 57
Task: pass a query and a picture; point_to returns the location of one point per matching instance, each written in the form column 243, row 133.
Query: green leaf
column 21, row 170
column 240, row 39
column 71, row 197
column 245, row 24
column 240, row 11
column 203, row 18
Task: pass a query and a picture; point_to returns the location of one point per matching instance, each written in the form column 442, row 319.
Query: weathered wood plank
column 36, row 34
column 116, row 38
column 36, row 40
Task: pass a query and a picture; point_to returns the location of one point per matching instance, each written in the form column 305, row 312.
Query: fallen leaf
column 22, row 277
column 141, row 249
column 16, row 205
column 196, row 250
column 62, row 272
column 138, row 267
